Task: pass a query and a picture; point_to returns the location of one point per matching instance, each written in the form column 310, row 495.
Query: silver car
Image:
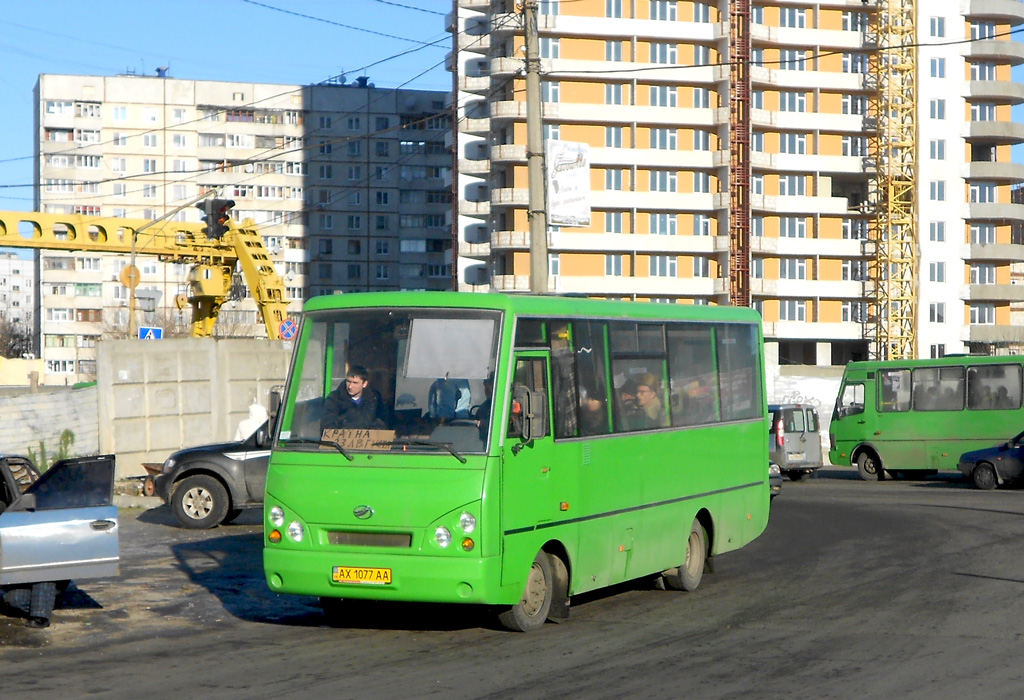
column 58, row 526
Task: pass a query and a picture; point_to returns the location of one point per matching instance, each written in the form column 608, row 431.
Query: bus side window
column 851, row 400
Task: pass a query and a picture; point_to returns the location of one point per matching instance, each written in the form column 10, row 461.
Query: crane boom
column 213, row 260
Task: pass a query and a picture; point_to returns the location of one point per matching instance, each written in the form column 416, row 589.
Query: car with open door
column 60, row 525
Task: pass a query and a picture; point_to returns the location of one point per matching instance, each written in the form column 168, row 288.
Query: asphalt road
column 856, row 590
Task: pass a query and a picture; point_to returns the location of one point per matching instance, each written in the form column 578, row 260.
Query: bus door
column 537, row 483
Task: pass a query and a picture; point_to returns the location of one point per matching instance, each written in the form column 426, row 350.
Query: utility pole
column 535, row 154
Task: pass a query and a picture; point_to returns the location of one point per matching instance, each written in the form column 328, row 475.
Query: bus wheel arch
column 869, row 464
column 546, row 581
column 688, row 575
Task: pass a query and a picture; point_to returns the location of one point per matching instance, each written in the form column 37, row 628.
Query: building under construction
column 843, row 166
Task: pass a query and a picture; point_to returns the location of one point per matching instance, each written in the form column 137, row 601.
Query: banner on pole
column 568, row 183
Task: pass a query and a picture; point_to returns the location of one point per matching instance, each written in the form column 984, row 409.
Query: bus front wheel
column 531, row 612
column 869, row 467
column 688, row 576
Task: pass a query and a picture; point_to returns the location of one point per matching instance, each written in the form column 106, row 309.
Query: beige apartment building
column 348, row 184
column 646, row 83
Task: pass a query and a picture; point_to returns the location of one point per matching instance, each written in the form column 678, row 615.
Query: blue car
column 993, row 466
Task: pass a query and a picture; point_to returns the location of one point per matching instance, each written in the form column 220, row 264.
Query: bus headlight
column 443, row 537
column 467, row 521
column 296, row 531
column 277, row 516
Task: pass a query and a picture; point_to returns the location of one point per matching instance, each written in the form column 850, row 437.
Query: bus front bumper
column 413, row 578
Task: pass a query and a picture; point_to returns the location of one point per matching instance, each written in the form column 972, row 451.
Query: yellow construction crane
column 892, row 192
column 213, row 258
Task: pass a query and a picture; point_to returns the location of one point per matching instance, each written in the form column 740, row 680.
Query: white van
column 794, row 442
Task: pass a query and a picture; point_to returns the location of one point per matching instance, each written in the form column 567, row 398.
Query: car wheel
column 869, row 468
column 984, row 477
column 199, row 502
column 688, row 576
column 531, row 612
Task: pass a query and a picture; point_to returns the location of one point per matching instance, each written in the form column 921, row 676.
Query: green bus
column 916, row 417
column 522, row 449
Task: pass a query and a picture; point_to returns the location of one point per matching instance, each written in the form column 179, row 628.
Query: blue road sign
column 151, row 333
column 288, row 329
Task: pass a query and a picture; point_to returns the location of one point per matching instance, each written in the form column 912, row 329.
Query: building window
column 664, row 139
column 663, row 10
column 983, row 234
column 982, row 192
column 701, row 266
column 613, row 222
column 663, row 52
column 663, row 224
column 982, row 30
column 757, row 268
column 613, row 136
column 663, row 180
column 701, row 182
column 792, row 268
column 793, row 227
column 792, row 185
column 983, row 71
column 613, row 50
column 793, row 144
column 792, row 102
column 793, row 59
column 983, row 314
column 794, row 17
column 550, row 47
column 792, row 310
column 937, row 149
column 701, row 225
column 613, row 93
column 983, row 273
column 613, row 265
column 663, row 95
column 937, row 109
column 613, row 179
column 937, row 312
column 936, row 272
column 983, row 112
column 937, row 231
column 937, row 67
column 937, row 190
column 937, row 26
column 662, row 266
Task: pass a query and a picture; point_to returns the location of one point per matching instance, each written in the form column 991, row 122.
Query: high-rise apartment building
column 646, row 83
column 348, row 184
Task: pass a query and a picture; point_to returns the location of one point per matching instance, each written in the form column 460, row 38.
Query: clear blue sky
column 207, row 40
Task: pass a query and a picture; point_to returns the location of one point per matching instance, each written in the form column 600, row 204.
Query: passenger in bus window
column 593, row 413
column 627, row 410
column 354, row 404
column 651, row 414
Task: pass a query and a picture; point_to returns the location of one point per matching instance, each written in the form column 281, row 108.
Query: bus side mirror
column 275, row 399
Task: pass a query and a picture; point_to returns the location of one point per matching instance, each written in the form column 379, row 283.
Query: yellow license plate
column 361, row 574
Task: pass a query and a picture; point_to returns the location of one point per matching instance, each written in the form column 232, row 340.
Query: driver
column 354, row 404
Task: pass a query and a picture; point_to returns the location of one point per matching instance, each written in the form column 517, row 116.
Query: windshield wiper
column 426, row 443
column 323, row 443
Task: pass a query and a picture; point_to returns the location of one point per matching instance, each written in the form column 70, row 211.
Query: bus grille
column 370, row 539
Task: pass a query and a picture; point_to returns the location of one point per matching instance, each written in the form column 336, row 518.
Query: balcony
column 476, row 84
column 475, row 43
column 1000, row 50
column 992, row 292
column 474, row 167
column 1001, row 11
column 508, row 153
column 510, row 196
column 995, row 211
column 995, row 252
column 475, row 209
column 996, row 91
column 994, row 334
column 510, row 240
column 998, row 172
column 999, row 133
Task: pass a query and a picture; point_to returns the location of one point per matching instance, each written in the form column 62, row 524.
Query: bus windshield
column 383, row 378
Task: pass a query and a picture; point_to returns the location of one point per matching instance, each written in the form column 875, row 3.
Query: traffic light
column 216, row 214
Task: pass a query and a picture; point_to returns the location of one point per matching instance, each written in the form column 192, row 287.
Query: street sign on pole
column 288, row 329
column 150, row 333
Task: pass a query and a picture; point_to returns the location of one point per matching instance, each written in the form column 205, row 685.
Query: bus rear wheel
column 869, row 467
column 531, row 612
column 688, row 576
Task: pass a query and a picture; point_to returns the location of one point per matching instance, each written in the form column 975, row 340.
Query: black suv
column 211, row 484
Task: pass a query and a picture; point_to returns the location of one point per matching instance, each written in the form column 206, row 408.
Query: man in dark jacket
column 354, row 404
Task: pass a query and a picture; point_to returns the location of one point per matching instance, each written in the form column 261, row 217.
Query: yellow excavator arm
column 213, row 260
